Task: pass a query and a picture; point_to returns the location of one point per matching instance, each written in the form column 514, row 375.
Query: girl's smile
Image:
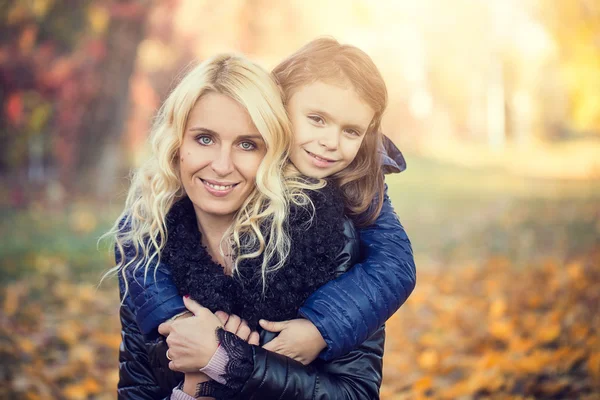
column 320, row 162
column 329, row 123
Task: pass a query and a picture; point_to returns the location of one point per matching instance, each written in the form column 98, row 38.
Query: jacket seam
column 264, row 378
column 372, row 302
column 287, row 369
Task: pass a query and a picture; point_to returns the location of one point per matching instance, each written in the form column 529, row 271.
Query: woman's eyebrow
column 207, row 131
column 203, row 130
column 251, row 137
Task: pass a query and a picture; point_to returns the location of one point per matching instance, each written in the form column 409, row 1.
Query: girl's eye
column 353, row 132
column 316, row 118
column 247, row 146
column 204, row 140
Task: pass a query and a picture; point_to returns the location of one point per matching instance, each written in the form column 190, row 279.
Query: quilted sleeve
column 352, row 307
column 154, row 295
column 136, row 378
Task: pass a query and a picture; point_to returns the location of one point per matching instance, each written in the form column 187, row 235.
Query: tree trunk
column 100, row 157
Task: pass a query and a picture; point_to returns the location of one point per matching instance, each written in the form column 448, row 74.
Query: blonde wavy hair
column 325, row 59
column 156, row 185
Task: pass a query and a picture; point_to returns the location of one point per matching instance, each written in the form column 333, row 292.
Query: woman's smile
column 216, row 188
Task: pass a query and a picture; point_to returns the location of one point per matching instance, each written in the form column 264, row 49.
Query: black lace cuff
column 237, row 371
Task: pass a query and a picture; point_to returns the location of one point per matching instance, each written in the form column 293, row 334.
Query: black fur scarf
column 311, row 263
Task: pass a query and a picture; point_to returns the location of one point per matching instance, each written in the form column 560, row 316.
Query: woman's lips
column 218, row 189
column 319, row 161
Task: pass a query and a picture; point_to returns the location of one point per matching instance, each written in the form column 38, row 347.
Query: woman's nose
column 223, row 163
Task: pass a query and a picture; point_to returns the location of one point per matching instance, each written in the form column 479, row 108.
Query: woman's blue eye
column 247, row 146
column 204, row 140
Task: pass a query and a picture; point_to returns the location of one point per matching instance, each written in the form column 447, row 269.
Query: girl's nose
column 330, row 139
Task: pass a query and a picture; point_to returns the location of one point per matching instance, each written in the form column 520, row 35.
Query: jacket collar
column 392, row 159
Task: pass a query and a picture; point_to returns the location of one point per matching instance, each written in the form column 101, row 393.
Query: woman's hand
column 298, row 339
column 192, row 341
column 185, row 315
column 234, row 324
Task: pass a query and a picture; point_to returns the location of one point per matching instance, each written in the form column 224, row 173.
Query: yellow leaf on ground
column 26, row 345
column 75, row 392
column 428, row 359
column 497, row 308
column 502, row 329
column 423, row 384
column 548, row 333
column 593, row 365
column 91, row 386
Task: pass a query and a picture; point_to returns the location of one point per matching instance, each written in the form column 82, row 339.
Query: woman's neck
column 212, row 229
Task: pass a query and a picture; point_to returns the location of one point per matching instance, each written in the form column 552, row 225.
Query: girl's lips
column 320, row 162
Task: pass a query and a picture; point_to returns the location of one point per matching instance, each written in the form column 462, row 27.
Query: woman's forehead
column 221, row 114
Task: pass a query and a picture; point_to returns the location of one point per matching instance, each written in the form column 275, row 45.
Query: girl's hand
column 234, row 324
column 298, row 339
column 192, row 341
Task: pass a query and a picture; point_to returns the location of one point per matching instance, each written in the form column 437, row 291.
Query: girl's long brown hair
column 327, row 60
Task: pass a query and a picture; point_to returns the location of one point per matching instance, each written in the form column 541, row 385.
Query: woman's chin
column 215, row 207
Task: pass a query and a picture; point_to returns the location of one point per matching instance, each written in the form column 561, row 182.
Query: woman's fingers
column 233, row 323
column 223, row 316
column 254, row 338
column 240, row 327
column 193, row 306
column 243, row 331
column 165, row 328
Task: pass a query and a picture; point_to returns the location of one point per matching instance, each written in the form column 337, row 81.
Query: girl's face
column 330, row 123
column 219, row 156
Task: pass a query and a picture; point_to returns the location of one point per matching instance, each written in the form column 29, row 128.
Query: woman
column 222, row 129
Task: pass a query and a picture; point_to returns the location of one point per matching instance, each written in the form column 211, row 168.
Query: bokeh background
column 495, row 104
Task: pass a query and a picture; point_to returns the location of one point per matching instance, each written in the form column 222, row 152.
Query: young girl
column 335, row 98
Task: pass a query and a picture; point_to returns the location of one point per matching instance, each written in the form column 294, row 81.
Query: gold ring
column 167, row 354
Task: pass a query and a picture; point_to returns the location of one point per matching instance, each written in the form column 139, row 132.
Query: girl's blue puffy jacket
column 346, row 310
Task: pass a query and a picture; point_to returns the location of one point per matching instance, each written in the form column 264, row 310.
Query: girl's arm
column 349, row 309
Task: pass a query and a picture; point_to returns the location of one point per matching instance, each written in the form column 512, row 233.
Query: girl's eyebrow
column 359, row 128
column 328, row 116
